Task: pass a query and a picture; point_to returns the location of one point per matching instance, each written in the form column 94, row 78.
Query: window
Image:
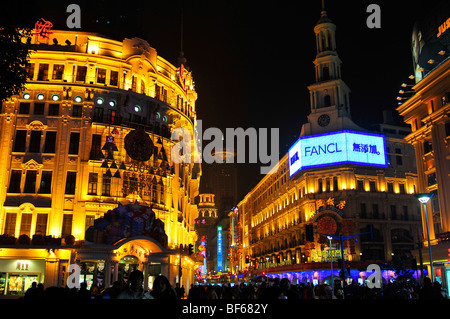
column 405, row 213
column 432, row 180
column 114, row 79
column 402, row 188
column 14, row 182
column 10, row 224
column 74, row 143
column 390, row 187
column 35, row 142
column 96, row 145
column 24, row 108
column 66, row 225
column 399, row 158
column 101, row 76
column 320, row 190
column 43, row 72
column 50, row 142
column 25, row 224
column 375, row 211
column 335, row 184
column 393, row 212
column 41, row 224
column 81, row 73
column 30, row 71
column 30, row 182
column 53, row 109
column 98, row 114
column 92, row 186
column 77, row 110
column 360, row 185
column 46, row 182
column 89, row 221
column 363, row 210
column 39, row 108
column 70, row 183
column 427, row 147
column 20, row 141
column 327, row 100
column 106, row 186
column 447, row 129
column 372, row 186
column 111, row 117
column 58, row 71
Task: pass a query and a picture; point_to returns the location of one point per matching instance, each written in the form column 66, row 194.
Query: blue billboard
column 335, row 148
column 219, row 249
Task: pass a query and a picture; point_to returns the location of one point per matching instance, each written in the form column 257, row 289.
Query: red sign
column 182, row 77
column 42, row 28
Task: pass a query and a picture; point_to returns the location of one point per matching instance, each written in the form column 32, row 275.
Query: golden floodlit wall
column 84, row 94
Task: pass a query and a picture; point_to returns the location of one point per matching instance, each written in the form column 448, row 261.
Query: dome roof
column 323, row 18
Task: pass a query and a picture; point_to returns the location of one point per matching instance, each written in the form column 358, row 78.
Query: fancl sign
column 219, row 249
column 335, row 148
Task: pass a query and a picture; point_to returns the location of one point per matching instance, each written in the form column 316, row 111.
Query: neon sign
column 443, row 27
column 335, row 148
column 219, row 249
column 42, row 28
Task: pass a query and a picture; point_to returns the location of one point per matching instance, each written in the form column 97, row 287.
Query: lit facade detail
column 340, row 199
column 426, row 110
column 62, row 147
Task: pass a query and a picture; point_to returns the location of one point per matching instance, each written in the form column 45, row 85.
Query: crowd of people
column 269, row 289
column 284, row 289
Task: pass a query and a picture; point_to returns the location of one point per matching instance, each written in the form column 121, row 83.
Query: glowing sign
column 42, row 28
column 443, row 27
column 219, row 249
column 335, row 148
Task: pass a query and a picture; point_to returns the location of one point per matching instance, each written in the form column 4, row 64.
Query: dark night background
column 252, row 60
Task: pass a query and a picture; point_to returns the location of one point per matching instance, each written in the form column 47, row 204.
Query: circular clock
column 323, row 120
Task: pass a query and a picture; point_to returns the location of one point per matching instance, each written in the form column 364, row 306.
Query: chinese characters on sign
column 42, row 28
column 365, row 148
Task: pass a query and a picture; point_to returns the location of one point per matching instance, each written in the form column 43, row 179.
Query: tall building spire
column 181, row 58
column 329, row 95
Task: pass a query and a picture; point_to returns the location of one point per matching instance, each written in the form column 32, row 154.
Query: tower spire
column 329, row 95
column 181, row 58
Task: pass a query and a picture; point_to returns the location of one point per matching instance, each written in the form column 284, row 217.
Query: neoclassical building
column 92, row 129
column 335, row 198
column 426, row 109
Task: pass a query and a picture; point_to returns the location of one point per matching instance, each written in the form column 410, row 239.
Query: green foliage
column 14, row 55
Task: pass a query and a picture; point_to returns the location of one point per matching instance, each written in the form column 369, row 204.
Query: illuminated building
column 221, row 178
column 65, row 164
column 330, row 191
column 205, row 227
column 426, row 110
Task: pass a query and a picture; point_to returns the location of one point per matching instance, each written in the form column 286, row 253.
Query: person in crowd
column 135, row 289
column 162, row 289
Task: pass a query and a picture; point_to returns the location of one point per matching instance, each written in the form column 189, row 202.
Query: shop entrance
column 126, row 265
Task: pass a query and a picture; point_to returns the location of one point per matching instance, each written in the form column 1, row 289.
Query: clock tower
column 329, row 95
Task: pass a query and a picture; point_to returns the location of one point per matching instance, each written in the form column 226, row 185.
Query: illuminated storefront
column 337, row 178
column 426, row 109
column 92, row 130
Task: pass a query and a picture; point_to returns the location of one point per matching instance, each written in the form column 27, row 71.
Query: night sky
column 252, row 60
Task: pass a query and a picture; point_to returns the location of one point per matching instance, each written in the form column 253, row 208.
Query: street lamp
column 424, row 198
column 331, row 255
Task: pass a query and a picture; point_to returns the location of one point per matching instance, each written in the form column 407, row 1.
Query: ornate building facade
column 427, row 111
column 338, row 199
column 91, row 130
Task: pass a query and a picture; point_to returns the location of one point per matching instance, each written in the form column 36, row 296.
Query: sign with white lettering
column 335, row 148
